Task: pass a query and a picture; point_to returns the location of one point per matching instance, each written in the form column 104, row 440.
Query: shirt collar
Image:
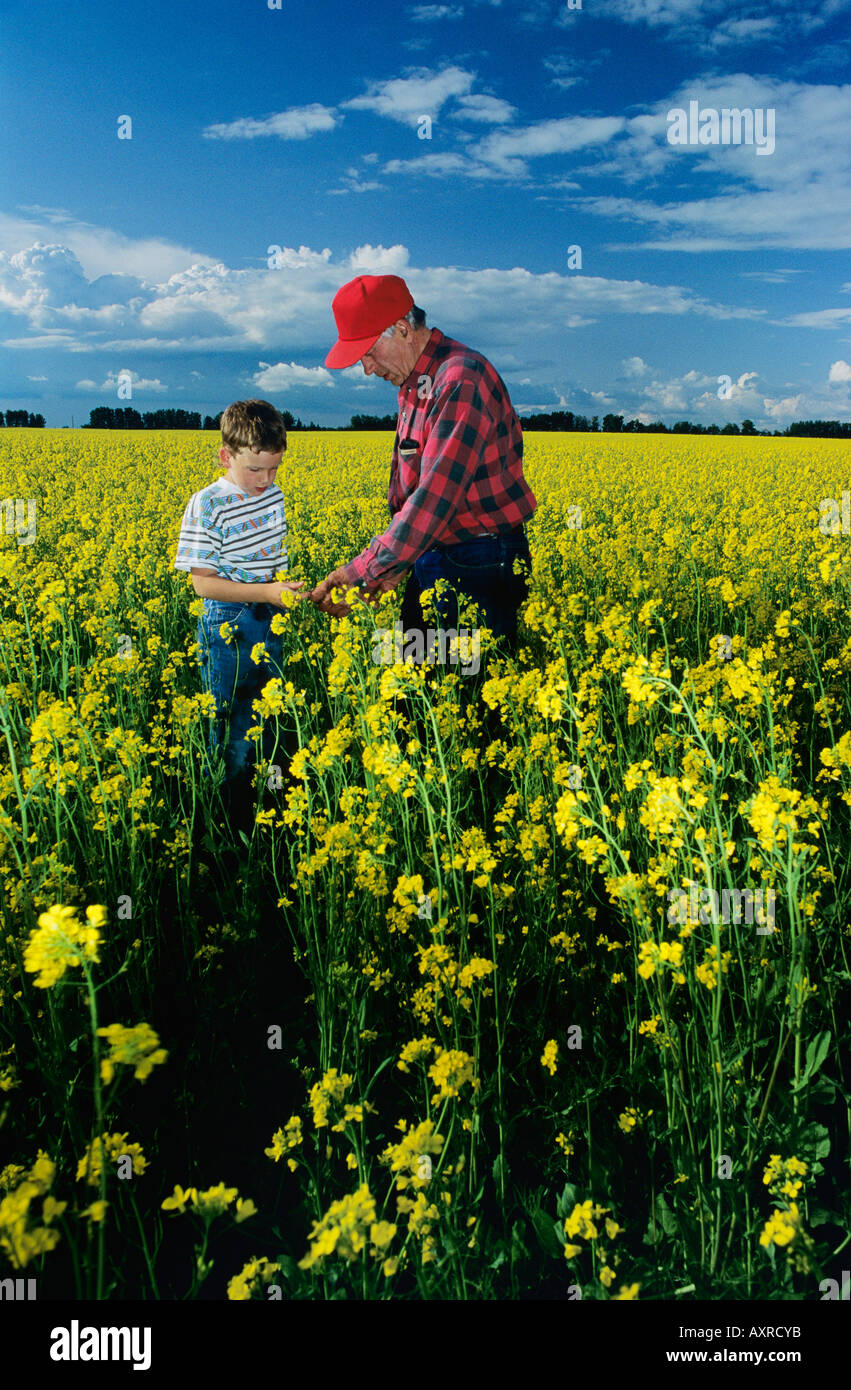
column 424, row 360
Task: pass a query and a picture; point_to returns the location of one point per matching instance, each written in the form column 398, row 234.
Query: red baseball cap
column 362, row 310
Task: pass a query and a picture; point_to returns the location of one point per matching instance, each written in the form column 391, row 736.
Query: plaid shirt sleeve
column 455, row 434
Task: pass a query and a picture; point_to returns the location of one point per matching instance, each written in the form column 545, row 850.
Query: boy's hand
column 290, row 587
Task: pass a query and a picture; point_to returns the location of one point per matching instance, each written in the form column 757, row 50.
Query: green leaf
column 812, row 1142
column 817, row 1051
column 542, row 1223
column 567, row 1201
column 665, row 1217
column 820, row 1217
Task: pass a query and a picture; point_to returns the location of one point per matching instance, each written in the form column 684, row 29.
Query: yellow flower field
column 540, row 993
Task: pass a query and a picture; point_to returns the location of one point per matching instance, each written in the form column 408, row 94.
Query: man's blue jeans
column 235, row 681
column 481, row 570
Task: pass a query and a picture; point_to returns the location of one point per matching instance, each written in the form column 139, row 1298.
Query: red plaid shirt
column 466, row 478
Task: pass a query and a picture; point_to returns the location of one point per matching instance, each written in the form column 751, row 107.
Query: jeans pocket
column 219, row 612
column 471, row 557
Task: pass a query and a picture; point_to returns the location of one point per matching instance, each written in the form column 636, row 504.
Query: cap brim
column 347, row 353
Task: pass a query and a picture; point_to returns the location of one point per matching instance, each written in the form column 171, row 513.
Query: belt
column 483, row 536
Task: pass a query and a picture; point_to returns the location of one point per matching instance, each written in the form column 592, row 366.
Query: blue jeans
column 234, row 680
column 482, row 570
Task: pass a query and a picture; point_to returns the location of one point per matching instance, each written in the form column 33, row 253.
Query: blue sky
column 302, row 128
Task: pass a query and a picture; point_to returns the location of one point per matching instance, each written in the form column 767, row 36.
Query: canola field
column 539, row 993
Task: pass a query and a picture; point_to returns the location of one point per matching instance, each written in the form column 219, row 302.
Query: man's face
column 252, row 473
column 392, row 358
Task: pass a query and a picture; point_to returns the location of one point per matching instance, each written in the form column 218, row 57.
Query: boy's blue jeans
column 234, row 680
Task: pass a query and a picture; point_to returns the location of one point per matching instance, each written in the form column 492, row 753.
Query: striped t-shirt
column 239, row 536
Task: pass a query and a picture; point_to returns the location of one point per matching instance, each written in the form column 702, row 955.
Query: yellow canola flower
column 450, row 1071
column 285, row 1139
column 61, row 941
column 137, row 1047
column 21, row 1238
column 258, row 1271
column 114, row 1147
column 344, row 1230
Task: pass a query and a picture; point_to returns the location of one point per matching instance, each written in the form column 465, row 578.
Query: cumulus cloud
column 124, row 375
column 297, row 123
column 278, row 376
column 479, row 107
column 280, row 320
column 421, row 92
column 645, row 394
column 214, row 308
column 99, row 251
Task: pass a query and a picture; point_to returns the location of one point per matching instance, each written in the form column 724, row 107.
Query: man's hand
column 321, row 594
column 384, row 586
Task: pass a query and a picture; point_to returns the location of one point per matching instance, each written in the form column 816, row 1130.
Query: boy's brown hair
column 253, row 425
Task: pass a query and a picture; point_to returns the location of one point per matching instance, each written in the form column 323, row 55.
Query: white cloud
column 691, row 21
column 507, row 149
column 280, row 376
column 219, row 310
column 732, row 31
column 478, row 107
column 839, row 371
column 432, row 14
column 780, row 276
column 567, row 71
column 634, row 366
column 784, row 411
column 799, row 196
column 137, row 383
column 36, row 378
column 297, row 123
column 440, row 165
column 86, row 385
column 99, row 250
column 421, row 93
column 819, row 318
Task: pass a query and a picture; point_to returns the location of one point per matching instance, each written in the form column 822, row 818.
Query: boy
column 232, row 540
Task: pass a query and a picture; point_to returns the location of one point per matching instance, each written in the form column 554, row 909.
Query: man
column 458, row 498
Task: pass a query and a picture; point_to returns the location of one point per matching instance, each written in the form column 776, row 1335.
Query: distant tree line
column 21, row 419
column 107, row 417
column 562, row 420
column 820, row 429
column 370, row 422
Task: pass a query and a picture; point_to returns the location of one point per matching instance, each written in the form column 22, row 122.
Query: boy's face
column 252, row 473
